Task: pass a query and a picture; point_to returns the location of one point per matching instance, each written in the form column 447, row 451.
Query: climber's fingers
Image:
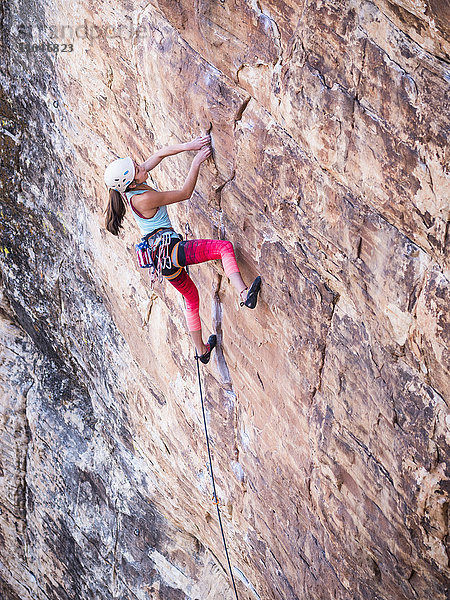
column 205, row 140
column 200, row 142
column 204, row 153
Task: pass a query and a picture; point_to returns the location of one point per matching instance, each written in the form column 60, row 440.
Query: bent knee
column 227, row 247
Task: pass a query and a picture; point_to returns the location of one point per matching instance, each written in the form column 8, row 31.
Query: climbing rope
column 215, row 499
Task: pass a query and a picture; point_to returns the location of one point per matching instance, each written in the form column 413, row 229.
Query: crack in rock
column 217, row 317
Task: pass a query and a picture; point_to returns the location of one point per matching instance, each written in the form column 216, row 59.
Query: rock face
column 328, row 404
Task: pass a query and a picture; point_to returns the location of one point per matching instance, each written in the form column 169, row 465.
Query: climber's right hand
column 202, row 155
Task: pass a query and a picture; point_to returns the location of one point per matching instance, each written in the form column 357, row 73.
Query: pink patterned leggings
column 192, row 252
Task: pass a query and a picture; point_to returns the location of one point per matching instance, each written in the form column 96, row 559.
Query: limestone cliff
column 328, row 404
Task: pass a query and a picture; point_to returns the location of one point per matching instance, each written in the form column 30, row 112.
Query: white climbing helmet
column 119, row 174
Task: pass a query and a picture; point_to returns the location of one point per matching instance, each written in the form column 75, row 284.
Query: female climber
column 125, row 178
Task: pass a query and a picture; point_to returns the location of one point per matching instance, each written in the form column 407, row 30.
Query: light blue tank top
column 145, row 224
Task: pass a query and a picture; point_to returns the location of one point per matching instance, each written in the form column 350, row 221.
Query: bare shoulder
column 146, row 201
column 145, row 192
column 153, row 199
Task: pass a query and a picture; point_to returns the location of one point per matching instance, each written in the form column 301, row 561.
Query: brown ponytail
column 115, row 212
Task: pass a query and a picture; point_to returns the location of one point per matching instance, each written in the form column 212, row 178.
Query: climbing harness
column 154, row 248
column 214, row 494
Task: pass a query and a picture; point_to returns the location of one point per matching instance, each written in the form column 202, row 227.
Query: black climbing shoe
column 212, row 341
column 252, row 294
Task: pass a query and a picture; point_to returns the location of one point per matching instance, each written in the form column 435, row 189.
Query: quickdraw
column 164, row 261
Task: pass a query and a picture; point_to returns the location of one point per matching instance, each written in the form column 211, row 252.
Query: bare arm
column 155, row 159
column 152, row 199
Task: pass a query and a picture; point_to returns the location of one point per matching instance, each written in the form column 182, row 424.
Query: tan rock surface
column 328, row 404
